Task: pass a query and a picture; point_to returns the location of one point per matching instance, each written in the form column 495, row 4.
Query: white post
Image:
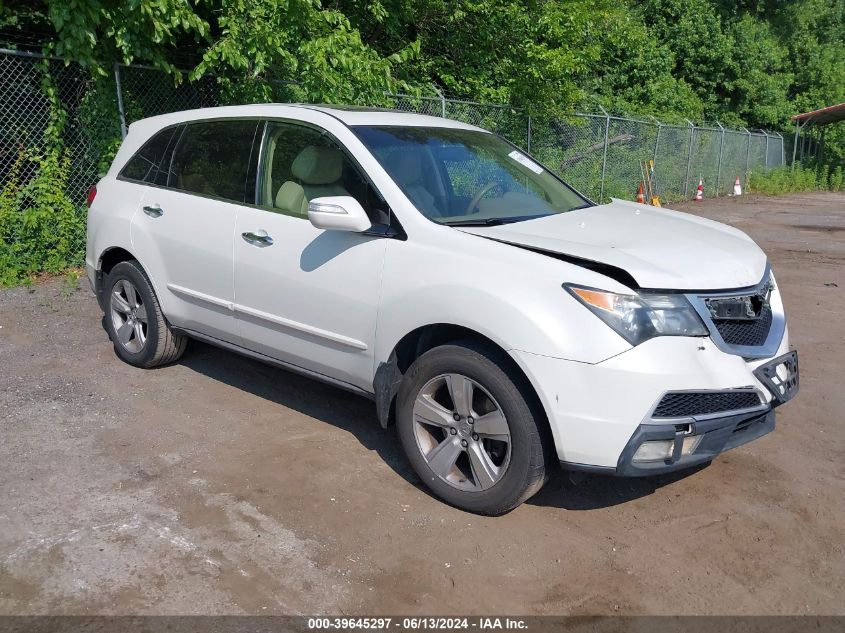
column 442, row 103
column 767, row 148
column 604, row 155
column 719, row 164
column 689, row 155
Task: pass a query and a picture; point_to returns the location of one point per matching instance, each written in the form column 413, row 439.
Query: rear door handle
column 260, row 239
column 154, row 211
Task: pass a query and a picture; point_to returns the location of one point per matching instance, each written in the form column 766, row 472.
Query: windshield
column 461, row 177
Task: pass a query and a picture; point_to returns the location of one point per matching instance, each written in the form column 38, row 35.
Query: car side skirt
column 302, row 371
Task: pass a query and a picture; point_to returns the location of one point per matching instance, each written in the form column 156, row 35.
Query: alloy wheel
column 129, row 316
column 462, row 432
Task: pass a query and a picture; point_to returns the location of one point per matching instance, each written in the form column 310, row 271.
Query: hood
column 659, row 248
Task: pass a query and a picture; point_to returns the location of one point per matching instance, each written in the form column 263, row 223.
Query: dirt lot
column 220, row 485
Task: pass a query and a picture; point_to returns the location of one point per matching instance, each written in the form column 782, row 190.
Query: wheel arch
column 415, row 343
column 111, row 257
column 107, row 260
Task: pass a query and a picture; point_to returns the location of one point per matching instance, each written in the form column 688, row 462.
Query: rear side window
column 213, row 158
column 151, row 163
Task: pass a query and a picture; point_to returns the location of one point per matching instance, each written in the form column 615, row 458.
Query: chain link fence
column 52, row 107
column 49, row 157
column 601, row 155
column 504, row 120
column 141, row 91
column 575, row 148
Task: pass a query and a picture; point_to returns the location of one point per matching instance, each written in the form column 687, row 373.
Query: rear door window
column 212, row 158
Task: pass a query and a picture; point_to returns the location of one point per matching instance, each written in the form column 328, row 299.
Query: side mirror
column 338, row 213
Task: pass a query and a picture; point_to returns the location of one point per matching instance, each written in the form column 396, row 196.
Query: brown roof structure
column 822, row 116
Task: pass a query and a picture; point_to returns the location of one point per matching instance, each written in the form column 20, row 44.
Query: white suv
column 500, row 318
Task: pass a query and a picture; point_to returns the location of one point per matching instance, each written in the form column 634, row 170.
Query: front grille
column 746, row 332
column 688, row 404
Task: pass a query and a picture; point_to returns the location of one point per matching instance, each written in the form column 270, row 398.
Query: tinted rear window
column 213, row 158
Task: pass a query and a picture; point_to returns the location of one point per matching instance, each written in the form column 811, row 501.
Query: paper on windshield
column 522, row 159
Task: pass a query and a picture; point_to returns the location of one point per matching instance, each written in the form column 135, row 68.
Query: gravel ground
column 220, row 485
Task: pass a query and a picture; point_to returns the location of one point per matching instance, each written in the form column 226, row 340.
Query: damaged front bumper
column 668, row 445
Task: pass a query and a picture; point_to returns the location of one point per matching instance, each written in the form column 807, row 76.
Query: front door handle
column 154, row 211
column 260, row 239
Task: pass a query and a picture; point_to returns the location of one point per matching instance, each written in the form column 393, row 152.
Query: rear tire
column 134, row 321
column 487, row 455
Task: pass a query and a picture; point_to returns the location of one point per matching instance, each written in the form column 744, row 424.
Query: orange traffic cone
column 699, row 194
column 737, row 187
column 640, row 194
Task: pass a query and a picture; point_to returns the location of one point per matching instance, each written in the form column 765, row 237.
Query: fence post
column 529, row 134
column 689, row 156
column 795, row 143
column 747, row 152
column 442, row 98
column 782, row 150
column 604, row 153
column 719, row 164
column 656, row 139
column 767, row 148
column 120, row 111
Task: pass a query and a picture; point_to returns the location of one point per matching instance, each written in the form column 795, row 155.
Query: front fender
column 509, row 295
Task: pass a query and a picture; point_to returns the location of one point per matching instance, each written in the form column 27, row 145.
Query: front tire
column 134, row 321
column 471, row 429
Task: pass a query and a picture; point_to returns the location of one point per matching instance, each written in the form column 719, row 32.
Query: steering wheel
column 477, row 197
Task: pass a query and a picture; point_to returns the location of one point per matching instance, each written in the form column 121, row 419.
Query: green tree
column 98, row 33
column 817, row 54
column 534, row 54
column 702, row 51
column 261, row 48
column 749, row 62
column 757, row 87
column 634, row 75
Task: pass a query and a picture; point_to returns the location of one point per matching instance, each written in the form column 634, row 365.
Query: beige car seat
column 291, row 199
column 408, row 171
column 318, row 170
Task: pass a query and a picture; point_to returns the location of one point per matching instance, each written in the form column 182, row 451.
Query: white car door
column 303, row 295
column 183, row 229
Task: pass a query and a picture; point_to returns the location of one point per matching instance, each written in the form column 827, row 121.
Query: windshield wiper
column 478, row 222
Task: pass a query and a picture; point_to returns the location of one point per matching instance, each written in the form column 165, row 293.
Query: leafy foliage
column 40, row 224
column 749, row 62
column 746, row 63
column 783, row 180
column 100, row 32
column 263, row 47
column 45, row 236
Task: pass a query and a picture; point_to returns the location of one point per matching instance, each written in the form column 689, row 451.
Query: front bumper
column 600, row 414
column 717, row 436
column 717, row 433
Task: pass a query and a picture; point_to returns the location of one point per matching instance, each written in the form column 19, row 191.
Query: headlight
column 639, row 317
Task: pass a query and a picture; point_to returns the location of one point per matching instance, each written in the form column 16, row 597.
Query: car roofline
column 349, row 118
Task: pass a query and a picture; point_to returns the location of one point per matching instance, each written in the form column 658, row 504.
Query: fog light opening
column 664, row 450
column 691, row 443
column 654, row 451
